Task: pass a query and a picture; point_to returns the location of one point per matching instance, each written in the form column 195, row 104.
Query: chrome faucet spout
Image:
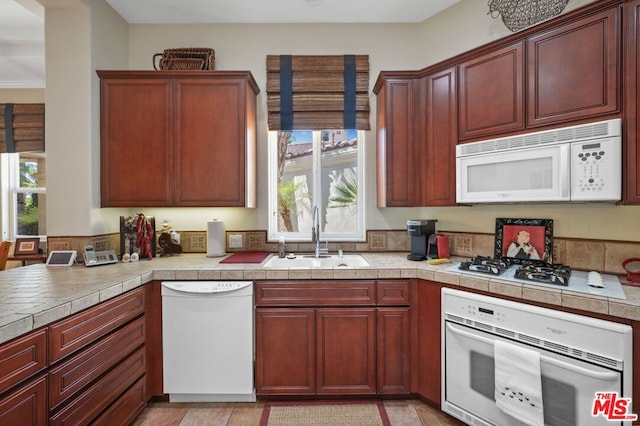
column 315, row 227
column 315, row 232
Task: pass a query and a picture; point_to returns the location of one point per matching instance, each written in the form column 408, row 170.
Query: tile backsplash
column 598, row 255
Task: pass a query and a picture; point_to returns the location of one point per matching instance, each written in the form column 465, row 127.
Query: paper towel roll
column 215, row 238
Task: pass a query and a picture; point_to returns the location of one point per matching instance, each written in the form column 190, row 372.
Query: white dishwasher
column 208, row 341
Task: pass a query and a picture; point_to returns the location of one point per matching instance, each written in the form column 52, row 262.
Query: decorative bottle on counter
column 282, row 251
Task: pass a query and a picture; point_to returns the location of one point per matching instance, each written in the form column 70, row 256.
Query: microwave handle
column 565, row 171
column 607, row 376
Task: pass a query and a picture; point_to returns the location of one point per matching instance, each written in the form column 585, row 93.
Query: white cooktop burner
column 577, row 282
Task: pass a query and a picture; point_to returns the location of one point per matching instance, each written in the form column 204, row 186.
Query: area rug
column 324, row 413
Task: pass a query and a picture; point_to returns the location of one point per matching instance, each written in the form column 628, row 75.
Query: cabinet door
column 135, row 142
column 285, row 351
column 395, row 156
column 392, row 293
column 438, row 164
column 346, row 352
column 27, row 405
column 22, row 358
column 126, row 408
column 393, row 350
column 305, row 293
column 492, row 93
column 573, row 70
column 70, row 376
column 210, row 120
column 79, row 330
column 427, row 332
column 95, row 399
column 631, row 173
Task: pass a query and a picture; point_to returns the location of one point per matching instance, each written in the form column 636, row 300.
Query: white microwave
column 577, row 163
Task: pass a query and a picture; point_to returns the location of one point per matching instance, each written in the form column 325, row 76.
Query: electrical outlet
column 463, row 245
column 235, row 241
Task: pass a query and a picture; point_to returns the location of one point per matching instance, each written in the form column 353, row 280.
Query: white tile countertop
column 37, row 295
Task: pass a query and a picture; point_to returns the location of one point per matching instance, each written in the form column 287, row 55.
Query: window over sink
column 323, row 168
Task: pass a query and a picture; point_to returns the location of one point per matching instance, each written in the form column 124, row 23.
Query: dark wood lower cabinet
column 345, row 351
column 27, row 405
column 285, row 351
column 99, row 396
column 95, row 372
column 427, row 330
column 127, row 407
column 312, row 340
column 393, row 350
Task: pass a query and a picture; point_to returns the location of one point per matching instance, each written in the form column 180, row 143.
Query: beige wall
column 244, row 47
column 23, row 96
column 80, row 37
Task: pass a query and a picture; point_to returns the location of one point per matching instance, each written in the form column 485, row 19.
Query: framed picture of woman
column 522, row 240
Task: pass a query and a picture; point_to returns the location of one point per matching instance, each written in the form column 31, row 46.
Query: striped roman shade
column 21, row 128
column 318, row 92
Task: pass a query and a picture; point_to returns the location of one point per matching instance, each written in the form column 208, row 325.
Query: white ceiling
column 21, row 44
column 278, row 11
column 22, row 22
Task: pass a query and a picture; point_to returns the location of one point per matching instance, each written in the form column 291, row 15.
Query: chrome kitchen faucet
column 315, row 234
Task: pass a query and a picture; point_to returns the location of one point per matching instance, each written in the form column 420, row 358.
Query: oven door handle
column 599, row 375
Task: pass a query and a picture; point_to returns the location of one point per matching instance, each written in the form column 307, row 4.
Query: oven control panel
column 513, row 318
column 485, row 313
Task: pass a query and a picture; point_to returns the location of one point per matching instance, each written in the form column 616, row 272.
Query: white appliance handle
column 607, row 376
column 205, row 287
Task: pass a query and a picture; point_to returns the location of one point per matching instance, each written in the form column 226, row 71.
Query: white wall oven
column 510, row 364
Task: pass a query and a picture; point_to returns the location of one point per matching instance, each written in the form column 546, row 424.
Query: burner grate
column 547, row 273
column 485, row 265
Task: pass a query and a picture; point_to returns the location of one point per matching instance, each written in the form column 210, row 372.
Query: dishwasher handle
column 204, row 287
column 598, row 375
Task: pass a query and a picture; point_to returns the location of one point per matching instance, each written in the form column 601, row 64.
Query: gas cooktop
column 486, row 265
column 554, row 276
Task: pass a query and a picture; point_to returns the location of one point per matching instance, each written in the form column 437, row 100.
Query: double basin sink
column 310, row 261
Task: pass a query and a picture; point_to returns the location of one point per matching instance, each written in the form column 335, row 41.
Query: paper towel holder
column 215, row 238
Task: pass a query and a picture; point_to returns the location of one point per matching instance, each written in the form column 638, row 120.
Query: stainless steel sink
column 348, row 260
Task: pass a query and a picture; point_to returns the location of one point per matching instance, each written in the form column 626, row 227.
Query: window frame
column 358, row 235
column 11, row 188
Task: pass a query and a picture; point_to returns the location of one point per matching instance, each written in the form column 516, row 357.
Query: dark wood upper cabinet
column 136, row 142
column 573, row 70
column 437, row 146
column 211, row 121
column 416, row 138
column 631, row 52
column 492, row 93
column 395, row 142
column 178, row 138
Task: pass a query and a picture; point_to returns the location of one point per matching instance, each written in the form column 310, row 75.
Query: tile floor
column 401, row 413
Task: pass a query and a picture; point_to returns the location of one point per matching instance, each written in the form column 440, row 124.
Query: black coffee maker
column 419, row 230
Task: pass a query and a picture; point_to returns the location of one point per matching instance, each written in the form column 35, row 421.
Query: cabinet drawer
column 393, row 292
column 79, row 330
column 80, row 370
column 22, row 358
column 315, row 293
column 101, row 394
column 126, row 408
column 27, row 405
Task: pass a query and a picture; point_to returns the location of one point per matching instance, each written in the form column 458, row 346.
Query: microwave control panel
column 595, row 169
